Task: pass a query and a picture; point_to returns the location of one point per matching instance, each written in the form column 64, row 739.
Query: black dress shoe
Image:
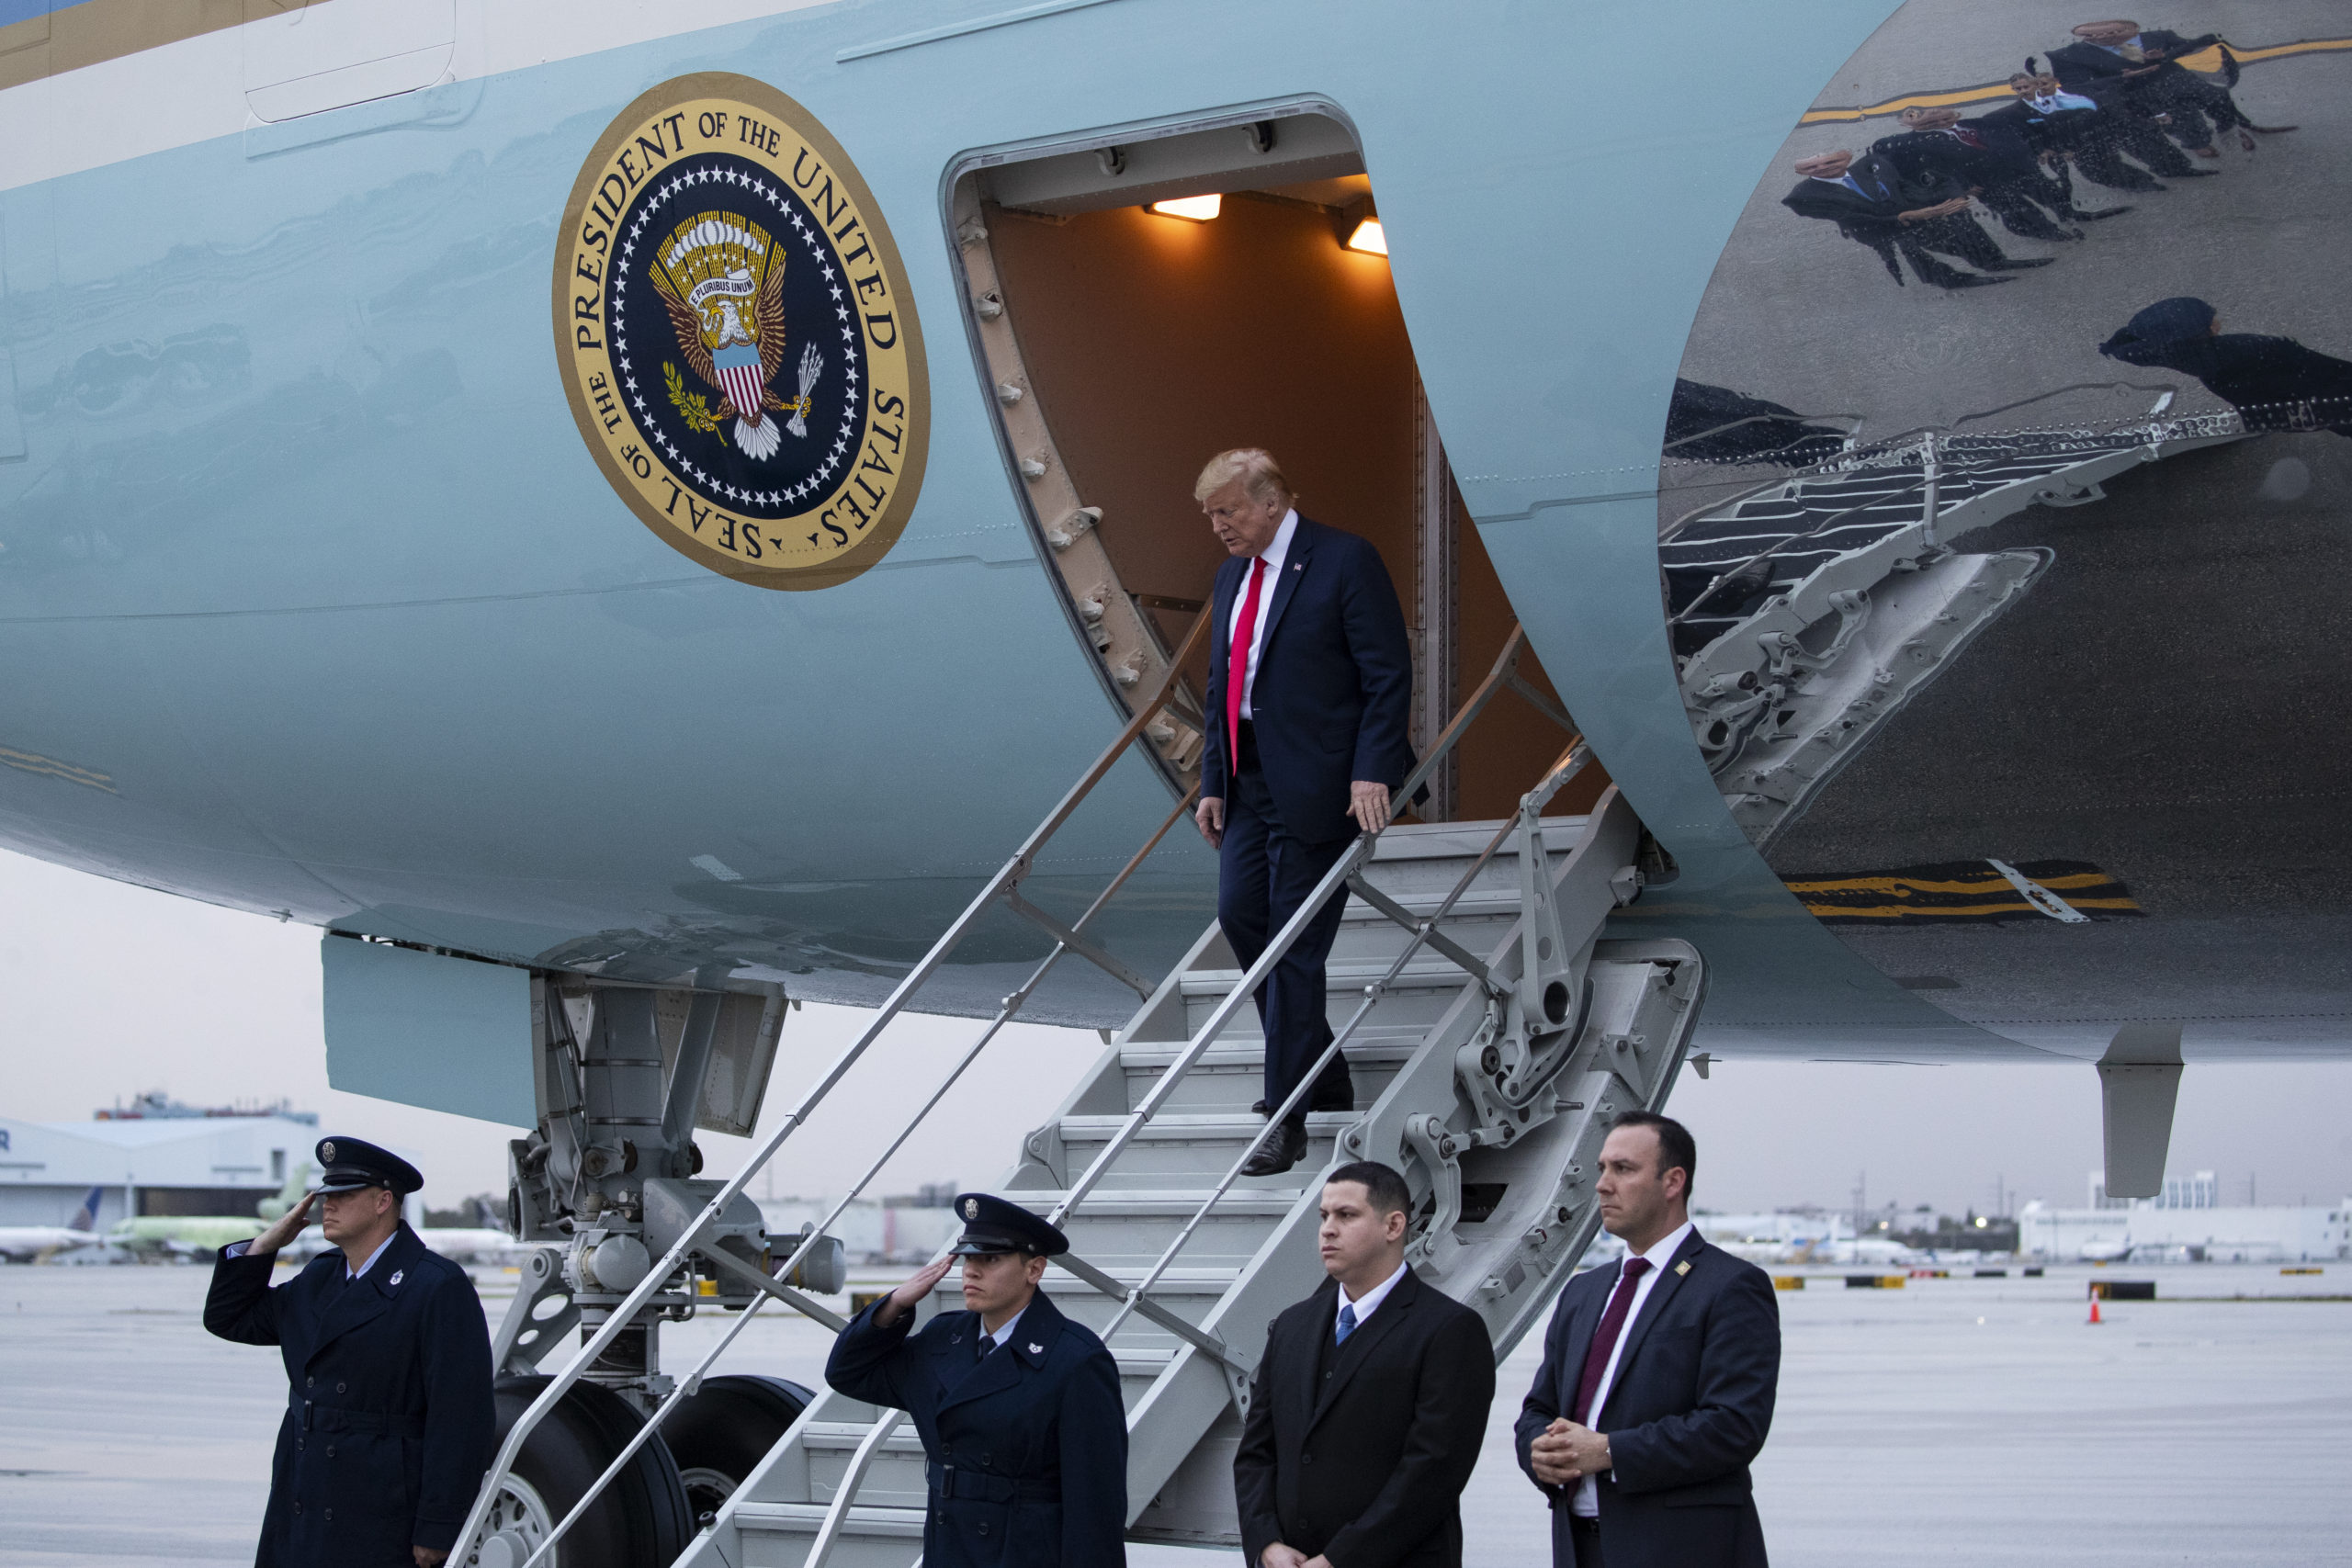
column 1280, row 1149
column 1342, row 1098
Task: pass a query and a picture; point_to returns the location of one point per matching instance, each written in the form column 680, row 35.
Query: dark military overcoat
column 1027, row 1449
column 389, row 1422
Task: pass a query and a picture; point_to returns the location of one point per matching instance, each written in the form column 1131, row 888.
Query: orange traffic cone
column 2095, row 1294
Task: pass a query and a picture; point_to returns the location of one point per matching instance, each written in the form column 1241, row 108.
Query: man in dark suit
column 2138, row 71
column 1306, row 739
column 1988, row 159
column 390, row 1422
column 2063, row 128
column 1873, row 204
column 1018, row 1407
column 1657, row 1379
column 1368, row 1408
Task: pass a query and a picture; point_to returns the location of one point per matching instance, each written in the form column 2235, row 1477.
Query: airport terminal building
column 153, row 1156
column 2184, row 1223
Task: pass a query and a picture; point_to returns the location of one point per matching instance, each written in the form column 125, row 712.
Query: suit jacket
column 1687, row 1412
column 1871, row 218
column 1361, row 1456
column 1923, row 156
column 390, row 1422
column 1334, row 694
column 1027, row 1449
column 2086, row 68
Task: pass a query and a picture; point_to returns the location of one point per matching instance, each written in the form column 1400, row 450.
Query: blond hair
column 1261, row 476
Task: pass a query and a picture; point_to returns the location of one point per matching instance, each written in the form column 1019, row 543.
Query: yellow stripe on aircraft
column 2208, row 60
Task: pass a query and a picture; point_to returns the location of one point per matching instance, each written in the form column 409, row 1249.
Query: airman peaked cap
column 991, row 1225
column 346, row 1164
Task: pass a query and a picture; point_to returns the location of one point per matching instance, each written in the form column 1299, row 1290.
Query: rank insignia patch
column 737, row 341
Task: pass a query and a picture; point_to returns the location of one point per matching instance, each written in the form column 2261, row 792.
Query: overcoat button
column 1306, row 1459
column 330, row 1450
column 298, row 1508
column 329, row 1516
column 343, row 1388
column 984, row 1527
column 986, row 1459
column 310, row 1382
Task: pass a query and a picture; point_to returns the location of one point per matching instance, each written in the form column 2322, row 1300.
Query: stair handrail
column 1007, row 877
column 1505, row 673
column 1570, row 762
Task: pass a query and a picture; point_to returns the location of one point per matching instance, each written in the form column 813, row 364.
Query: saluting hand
column 429, row 1557
column 911, row 1292
column 285, row 1227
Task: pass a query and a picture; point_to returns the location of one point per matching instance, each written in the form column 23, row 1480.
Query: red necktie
column 1604, row 1338
column 1236, row 665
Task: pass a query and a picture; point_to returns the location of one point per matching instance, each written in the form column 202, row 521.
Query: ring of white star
column 809, row 233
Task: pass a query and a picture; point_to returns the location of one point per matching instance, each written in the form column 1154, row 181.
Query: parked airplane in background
column 186, row 1237
column 32, row 1244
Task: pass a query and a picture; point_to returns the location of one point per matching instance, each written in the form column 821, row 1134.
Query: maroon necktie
column 1604, row 1338
column 1236, row 665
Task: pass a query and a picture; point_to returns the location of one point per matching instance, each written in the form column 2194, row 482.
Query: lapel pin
column 396, row 1276
column 1036, row 1349
column 1681, row 1268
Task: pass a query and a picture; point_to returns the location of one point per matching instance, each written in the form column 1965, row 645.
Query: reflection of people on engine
column 2274, row 383
column 2066, row 127
column 1990, row 160
column 1872, row 204
column 2139, row 72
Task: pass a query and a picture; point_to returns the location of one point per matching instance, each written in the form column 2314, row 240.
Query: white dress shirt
column 1003, row 1336
column 1372, row 1298
column 351, row 1273
column 1275, row 554
column 1587, row 1502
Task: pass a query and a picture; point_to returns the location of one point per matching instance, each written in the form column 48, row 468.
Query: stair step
column 806, row 1519
column 1147, row 1203
column 1195, row 1127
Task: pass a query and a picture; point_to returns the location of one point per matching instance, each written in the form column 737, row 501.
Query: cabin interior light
column 1194, row 209
column 1369, row 238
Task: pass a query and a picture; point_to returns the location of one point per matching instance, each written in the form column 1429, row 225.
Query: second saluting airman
column 1018, row 1407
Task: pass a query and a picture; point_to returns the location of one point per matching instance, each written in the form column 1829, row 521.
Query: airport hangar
column 205, row 1163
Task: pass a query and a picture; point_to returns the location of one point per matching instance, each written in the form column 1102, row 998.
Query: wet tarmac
column 1955, row 1420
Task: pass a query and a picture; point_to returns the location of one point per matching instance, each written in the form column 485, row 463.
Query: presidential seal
column 736, row 339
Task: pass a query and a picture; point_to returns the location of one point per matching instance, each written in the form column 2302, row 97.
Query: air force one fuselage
column 556, row 484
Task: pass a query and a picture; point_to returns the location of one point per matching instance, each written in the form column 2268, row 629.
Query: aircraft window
column 304, row 58
column 1142, row 300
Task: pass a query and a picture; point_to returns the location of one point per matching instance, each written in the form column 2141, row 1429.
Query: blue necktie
column 1347, row 1322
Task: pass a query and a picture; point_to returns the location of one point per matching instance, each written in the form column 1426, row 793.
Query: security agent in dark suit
column 390, row 1422
column 2138, row 71
column 2067, row 131
column 2274, row 383
column 1990, row 160
column 1873, row 204
column 1367, row 1411
column 1018, row 1407
column 1657, row 1381
column 1306, row 739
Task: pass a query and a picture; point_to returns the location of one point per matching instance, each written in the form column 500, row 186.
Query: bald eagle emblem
column 326, row 1151
column 971, row 1208
column 720, row 277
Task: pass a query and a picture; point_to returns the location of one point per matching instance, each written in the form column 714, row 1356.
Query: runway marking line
column 2208, row 60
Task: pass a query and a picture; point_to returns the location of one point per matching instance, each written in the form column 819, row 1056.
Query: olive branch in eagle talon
column 695, row 410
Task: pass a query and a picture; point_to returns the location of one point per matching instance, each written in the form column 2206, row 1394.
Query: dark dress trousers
column 1992, row 160
column 1330, row 704
column 390, row 1422
column 1360, row 1451
column 1686, row 1412
column 1874, row 217
column 1027, row 1449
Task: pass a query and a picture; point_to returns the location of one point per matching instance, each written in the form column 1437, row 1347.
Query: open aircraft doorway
column 1141, row 299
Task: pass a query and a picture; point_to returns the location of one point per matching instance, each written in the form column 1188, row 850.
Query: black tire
column 641, row 1520
column 720, row 1434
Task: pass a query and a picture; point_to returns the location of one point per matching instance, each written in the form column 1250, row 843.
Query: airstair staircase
column 1806, row 611
column 1491, row 1032
column 1506, row 1189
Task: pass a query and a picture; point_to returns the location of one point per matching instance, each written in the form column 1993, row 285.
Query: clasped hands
column 1280, row 1556
column 1367, row 804
column 1565, row 1453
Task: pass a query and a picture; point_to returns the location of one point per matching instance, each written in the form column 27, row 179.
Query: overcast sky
column 107, row 990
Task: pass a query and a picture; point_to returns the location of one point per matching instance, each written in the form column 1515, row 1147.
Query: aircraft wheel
column 642, row 1519
column 720, row 1434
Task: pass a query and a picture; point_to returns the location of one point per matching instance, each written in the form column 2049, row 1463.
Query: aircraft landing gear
column 642, row 1518
column 722, row 1434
